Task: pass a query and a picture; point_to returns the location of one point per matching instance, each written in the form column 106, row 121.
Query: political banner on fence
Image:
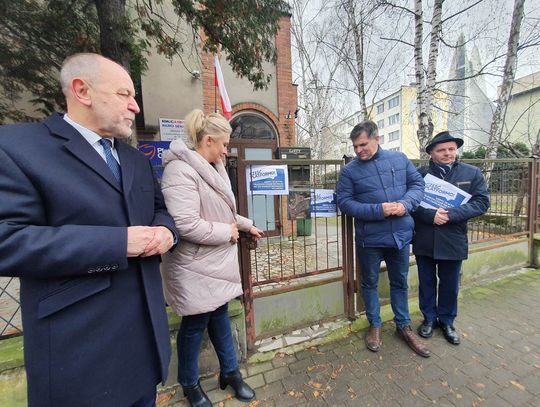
column 323, row 203
column 153, row 150
column 441, row 194
column 267, row 179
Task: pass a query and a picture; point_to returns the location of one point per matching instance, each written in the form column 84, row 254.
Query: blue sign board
column 323, row 203
column 153, row 150
column 268, row 179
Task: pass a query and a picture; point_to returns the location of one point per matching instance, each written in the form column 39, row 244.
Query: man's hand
column 441, row 217
column 393, row 209
column 234, row 233
column 389, row 208
column 400, row 209
column 138, row 237
column 161, row 242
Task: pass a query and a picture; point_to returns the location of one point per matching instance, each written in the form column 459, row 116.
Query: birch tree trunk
column 506, row 88
column 426, row 86
column 357, row 33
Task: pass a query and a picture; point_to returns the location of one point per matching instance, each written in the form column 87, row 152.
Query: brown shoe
column 414, row 342
column 373, row 339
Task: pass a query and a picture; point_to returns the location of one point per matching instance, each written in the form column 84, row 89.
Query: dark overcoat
column 95, row 326
column 449, row 241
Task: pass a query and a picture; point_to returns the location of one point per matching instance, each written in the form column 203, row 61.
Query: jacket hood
column 214, row 175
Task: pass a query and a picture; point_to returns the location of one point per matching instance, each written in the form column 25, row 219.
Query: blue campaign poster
column 153, row 150
column 268, row 179
column 323, row 203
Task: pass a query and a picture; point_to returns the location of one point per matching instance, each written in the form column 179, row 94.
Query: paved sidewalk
column 497, row 363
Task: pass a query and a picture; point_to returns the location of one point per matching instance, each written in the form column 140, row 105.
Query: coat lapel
column 81, row 149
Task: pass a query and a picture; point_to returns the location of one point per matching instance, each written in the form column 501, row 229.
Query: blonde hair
column 199, row 125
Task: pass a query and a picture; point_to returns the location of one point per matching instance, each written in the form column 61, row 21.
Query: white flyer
column 441, row 194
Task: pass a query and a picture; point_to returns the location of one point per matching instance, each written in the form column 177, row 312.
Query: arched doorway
column 254, row 137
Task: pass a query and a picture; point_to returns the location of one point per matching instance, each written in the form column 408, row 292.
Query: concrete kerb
column 348, row 328
column 361, row 323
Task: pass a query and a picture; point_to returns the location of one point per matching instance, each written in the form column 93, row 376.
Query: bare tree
column 506, row 87
column 357, row 31
column 315, row 71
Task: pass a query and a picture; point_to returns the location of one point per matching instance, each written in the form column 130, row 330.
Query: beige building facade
column 397, row 120
column 522, row 120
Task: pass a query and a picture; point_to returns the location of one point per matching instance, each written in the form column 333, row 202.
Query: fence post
column 348, row 261
column 245, row 257
column 533, row 210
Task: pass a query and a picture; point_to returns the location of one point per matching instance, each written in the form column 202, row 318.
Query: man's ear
column 81, row 91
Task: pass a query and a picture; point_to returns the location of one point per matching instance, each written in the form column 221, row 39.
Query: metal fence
column 10, row 314
column 299, row 245
column 510, row 184
column 296, row 244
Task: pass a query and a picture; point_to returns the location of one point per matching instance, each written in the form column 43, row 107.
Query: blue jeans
column 443, row 308
column 189, row 341
column 397, row 264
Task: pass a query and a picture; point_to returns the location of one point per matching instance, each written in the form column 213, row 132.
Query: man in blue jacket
column 440, row 243
column 380, row 189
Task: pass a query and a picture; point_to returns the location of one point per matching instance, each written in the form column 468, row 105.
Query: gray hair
column 83, row 65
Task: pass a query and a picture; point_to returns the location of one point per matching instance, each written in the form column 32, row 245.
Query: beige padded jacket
column 202, row 273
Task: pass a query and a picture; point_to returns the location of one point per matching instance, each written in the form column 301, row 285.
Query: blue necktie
column 111, row 161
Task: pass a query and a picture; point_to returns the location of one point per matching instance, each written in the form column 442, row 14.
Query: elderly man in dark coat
column 82, row 224
column 440, row 243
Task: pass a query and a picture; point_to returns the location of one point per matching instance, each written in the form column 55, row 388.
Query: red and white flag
column 224, row 97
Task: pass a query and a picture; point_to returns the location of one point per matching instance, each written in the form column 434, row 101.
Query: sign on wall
column 153, row 150
column 171, row 129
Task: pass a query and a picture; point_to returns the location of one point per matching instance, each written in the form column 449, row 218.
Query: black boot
column 241, row 389
column 196, row 396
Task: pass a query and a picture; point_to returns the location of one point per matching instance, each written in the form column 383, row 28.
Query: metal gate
column 304, row 244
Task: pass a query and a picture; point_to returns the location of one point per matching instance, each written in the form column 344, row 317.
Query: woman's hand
column 255, row 233
column 234, row 233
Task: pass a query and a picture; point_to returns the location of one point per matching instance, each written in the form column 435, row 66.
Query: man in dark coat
column 380, row 189
column 440, row 243
column 82, row 223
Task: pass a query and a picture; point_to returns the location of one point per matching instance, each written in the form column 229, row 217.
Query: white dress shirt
column 93, row 138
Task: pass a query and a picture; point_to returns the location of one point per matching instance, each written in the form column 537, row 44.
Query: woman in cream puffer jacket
column 202, row 274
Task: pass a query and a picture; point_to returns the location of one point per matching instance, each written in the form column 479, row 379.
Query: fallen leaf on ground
column 315, row 384
column 518, row 385
column 316, row 394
